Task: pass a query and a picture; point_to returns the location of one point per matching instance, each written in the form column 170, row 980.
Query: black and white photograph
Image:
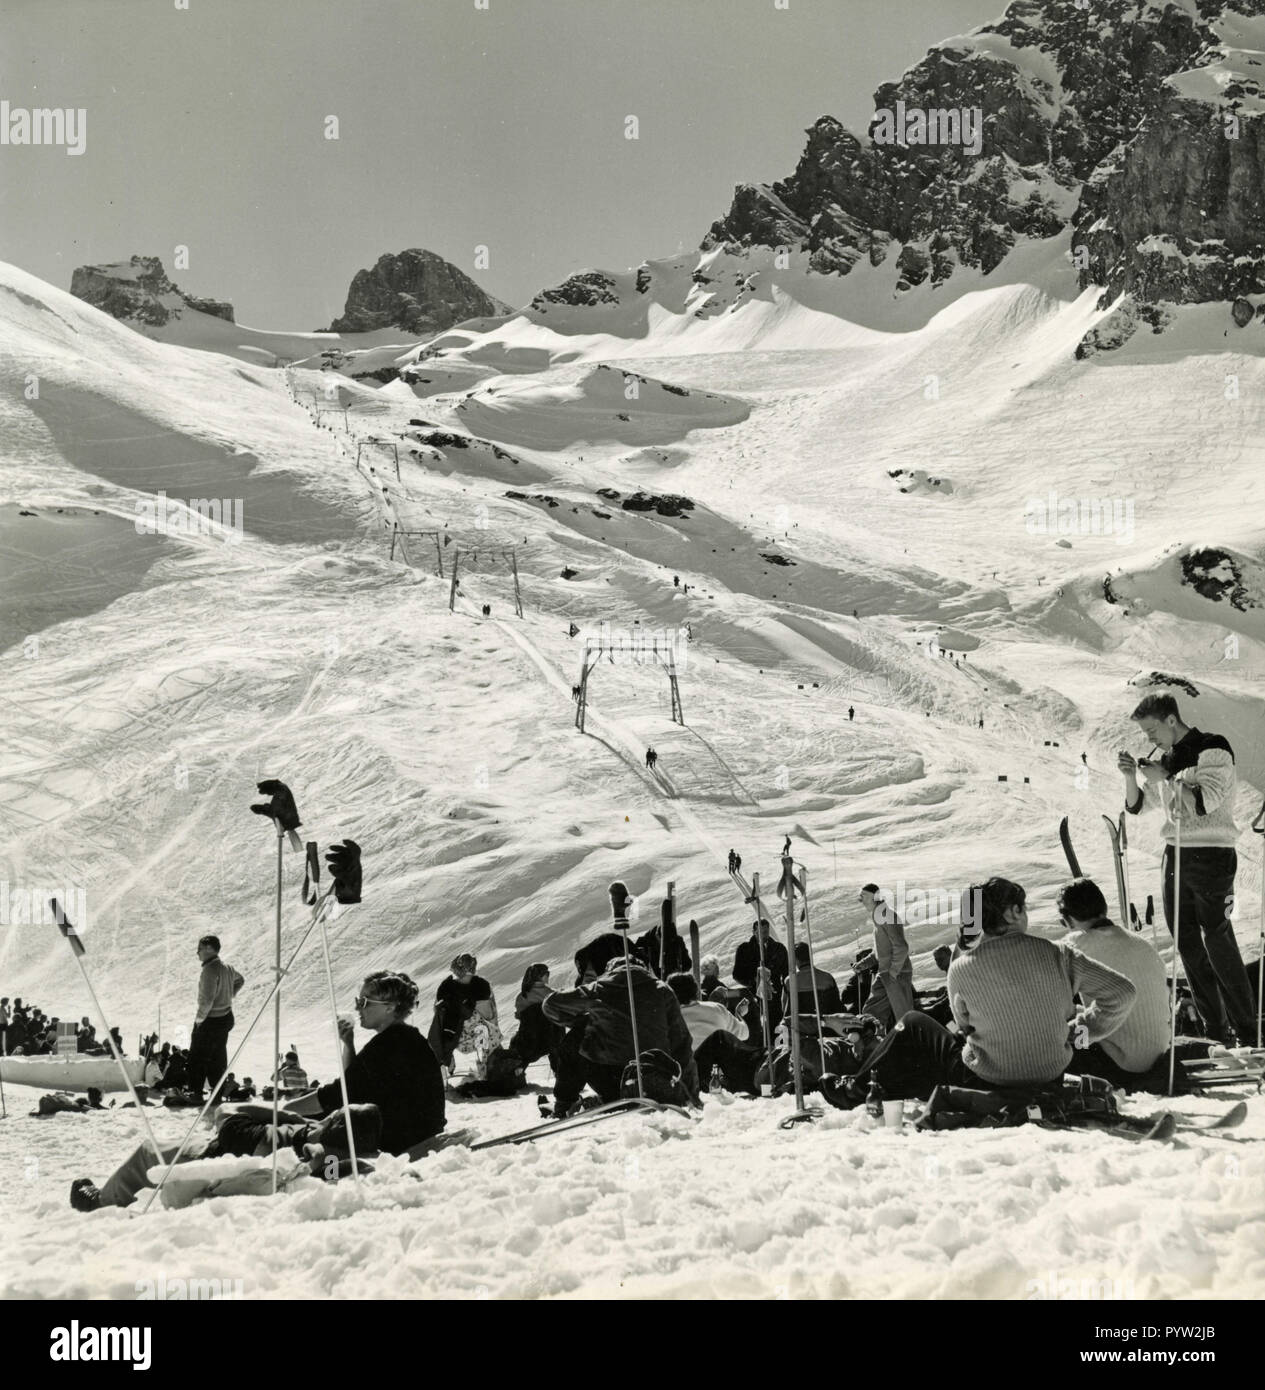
column 632, row 663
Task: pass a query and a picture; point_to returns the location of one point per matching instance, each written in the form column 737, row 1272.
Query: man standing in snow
column 1198, row 768
column 892, row 994
column 218, row 982
column 776, row 963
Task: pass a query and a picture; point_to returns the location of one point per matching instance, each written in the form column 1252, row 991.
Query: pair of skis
column 1120, row 861
column 629, row 1105
column 1165, row 1125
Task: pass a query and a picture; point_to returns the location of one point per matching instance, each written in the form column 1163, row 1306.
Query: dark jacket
column 678, row 954
column 827, row 992
column 608, row 1038
column 747, row 962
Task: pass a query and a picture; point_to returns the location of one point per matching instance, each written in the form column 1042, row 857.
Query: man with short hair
column 806, row 974
column 1195, row 773
column 1141, row 1041
column 218, row 983
column 776, row 962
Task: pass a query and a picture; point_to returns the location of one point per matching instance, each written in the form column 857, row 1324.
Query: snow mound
column 604, row 404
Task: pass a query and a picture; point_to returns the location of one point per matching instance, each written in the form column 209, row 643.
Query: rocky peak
column 140, row 292
column 1110, row 120
column 416, row 291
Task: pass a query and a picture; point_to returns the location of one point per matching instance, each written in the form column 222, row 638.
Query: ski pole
column 788, row 879
column 77, row 950
column 276, row 1006
column 320, row 907
column 1258, row 825
column 342, row 1071
column 1177, row 918
column 812, row 968
column 619, row 910
column 765, row 980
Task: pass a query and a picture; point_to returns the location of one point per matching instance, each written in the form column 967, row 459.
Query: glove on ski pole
column 280, row 808
column 344, row 868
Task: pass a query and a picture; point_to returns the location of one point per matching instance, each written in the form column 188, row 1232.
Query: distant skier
column 573, row 631
column 1085, row 759
column 575, row 692
column 735, row 861
column 676, row 581
column 851, row 714
column 651, row 758
column 981, row 721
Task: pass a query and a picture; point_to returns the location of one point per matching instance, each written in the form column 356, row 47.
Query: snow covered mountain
column 860, row 451
column 1127, row 134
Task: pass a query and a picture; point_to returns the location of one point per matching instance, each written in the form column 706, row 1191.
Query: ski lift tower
column 506, row 554
column 642, row 649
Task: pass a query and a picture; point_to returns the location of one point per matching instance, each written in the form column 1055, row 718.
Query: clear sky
column 458, row 127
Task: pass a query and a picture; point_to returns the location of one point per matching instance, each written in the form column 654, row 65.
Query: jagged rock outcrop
column 1138, row 124
column 587, row 289
column 140, row 292
column 416, row 291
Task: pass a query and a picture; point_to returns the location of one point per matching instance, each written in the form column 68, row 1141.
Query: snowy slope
column 444, row 744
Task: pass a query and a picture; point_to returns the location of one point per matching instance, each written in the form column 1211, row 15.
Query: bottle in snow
column 874, row 1098
column 717, row 1083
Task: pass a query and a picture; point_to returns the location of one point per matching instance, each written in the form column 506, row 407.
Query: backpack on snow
column 660, row 1079
column 1075, row 1098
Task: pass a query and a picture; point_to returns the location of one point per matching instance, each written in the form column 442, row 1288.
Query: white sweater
column 703, row 1019
column 1137, row 1044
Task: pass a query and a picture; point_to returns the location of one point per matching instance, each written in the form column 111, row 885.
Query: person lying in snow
column 599, row 1052
column 239, row 1132
column 1012, row 1001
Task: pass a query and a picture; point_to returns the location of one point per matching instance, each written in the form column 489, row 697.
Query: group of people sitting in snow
column 1018, row 1010
column 27, row 1031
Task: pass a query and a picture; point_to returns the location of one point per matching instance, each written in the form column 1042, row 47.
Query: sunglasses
column 361, row 1000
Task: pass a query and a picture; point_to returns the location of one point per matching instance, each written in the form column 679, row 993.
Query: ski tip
column 1165, row 1126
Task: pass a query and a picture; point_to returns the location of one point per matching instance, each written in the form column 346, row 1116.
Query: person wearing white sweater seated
column 1141, row 1042
column 716, row 1035
column 1012, row 1001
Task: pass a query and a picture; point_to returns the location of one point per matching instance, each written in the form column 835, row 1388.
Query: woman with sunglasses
column 395, row 1070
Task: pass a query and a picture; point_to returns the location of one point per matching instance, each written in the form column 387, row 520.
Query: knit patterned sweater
column 1137, row 1044
column 1200, row 769
column 1012, row 1000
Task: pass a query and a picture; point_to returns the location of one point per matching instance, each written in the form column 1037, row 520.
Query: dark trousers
column 917, row 1056
column 1206, row 942
column 208, row 1052
column 445, row 1029
column 737, row 1061
column 572, row 1071
column 1094, row 1061
column 536, row 1036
